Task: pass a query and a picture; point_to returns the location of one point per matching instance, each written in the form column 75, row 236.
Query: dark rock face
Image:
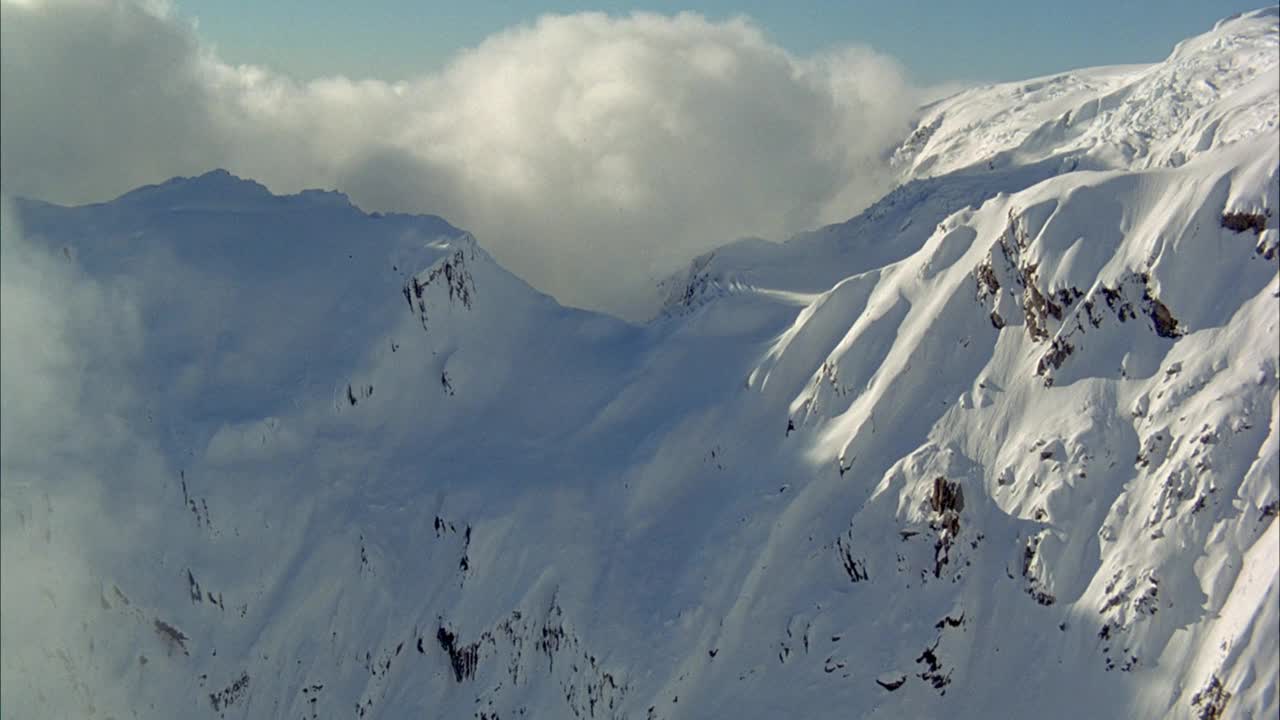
column 463, row 658
column 1242, row 222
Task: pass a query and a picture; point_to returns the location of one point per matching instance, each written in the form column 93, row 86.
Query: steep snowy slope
column 1007, row 444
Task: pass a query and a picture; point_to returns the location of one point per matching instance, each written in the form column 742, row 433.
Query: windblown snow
column 1004, row 445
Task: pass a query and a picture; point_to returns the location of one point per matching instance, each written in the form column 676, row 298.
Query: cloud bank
column 591, row 154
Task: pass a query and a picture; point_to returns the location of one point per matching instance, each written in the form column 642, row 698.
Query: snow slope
column 1004, row 445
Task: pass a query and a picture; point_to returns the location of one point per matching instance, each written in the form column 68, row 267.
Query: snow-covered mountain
column 1005, row 444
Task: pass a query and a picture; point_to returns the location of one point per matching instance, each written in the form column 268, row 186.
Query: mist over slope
column 1004, row 444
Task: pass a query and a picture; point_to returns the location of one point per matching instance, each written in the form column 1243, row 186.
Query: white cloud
column 97, row 98
column 589, row 153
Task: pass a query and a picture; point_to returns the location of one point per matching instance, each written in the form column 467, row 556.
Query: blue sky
column 937, row 41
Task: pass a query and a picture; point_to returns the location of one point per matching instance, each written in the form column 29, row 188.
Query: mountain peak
column 1264, row 13
column 1213, row 89
column 215, row 186
column 220, row 188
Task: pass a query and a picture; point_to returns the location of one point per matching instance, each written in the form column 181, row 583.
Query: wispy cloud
column 71, row 466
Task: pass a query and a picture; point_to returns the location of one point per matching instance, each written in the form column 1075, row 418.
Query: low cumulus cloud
column 591, row 154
